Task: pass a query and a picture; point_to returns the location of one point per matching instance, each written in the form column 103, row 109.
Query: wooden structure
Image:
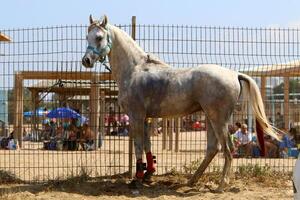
column 4, row 38
column 93, row 92
column 285, row 70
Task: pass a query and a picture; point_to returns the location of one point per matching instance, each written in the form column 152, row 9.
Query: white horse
column 149, row 87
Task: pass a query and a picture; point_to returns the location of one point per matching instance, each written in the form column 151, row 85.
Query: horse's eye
column 99, row 38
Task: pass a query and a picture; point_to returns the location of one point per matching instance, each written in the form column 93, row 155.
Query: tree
column 294, row 87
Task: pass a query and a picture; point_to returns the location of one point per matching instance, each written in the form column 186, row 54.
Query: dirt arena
column 34, row 164
column 165, row 187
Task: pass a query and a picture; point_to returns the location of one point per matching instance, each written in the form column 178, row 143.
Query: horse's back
column 167, row 90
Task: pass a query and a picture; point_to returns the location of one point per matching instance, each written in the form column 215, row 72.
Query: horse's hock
column 42, row 68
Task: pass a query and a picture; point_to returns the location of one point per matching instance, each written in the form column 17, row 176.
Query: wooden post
column 20, row 114
column 18, row 100
column 35, row 101
column 130, row 146
column 263, row 88
column 164, row 133
column 94, row 109
column 102, row 114
column 170, row 133
column 286, row 103
column 177, row 131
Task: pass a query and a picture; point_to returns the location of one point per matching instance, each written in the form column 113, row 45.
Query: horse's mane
column 154, row 60
column 149, row 58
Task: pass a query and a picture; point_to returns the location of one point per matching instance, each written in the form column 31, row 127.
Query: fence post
column 286, row 102
column 177, row 131
column 170, row 133
column 164, row 133
column 133, row 30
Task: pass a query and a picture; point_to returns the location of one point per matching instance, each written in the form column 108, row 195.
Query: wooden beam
column 4, row 38
column 73, row 91
column 286, row 103
column 49, row 75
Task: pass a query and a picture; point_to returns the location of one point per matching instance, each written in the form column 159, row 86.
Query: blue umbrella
column 63, row 113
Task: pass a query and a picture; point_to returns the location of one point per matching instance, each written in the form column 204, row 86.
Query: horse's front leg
column 147, row 148
column 137, row 132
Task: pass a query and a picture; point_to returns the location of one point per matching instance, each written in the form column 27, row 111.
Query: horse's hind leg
column 222, row 135
column 212, row 150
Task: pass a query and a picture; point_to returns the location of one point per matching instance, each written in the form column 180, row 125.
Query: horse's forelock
column 93, row 25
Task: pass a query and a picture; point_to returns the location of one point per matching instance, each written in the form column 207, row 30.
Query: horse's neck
column 125, row 55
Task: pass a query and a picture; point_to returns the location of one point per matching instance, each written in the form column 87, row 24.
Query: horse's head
column 99, row 42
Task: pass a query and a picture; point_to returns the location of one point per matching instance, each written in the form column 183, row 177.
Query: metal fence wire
column 41, row 70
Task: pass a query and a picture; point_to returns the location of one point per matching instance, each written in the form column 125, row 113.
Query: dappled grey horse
column 149, row 88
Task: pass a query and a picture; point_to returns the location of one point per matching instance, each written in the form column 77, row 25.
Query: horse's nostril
column 86, row 61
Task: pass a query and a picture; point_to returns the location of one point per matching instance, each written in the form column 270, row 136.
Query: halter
column 102, row 53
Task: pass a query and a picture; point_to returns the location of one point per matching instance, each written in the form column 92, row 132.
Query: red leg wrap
column 140, row 167
column 150, row 163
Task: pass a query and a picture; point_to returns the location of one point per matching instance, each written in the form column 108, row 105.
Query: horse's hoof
column 148, row 177
column 190, row 183
column 135, row 184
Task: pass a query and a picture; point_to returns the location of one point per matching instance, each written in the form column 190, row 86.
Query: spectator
column 233, row 147
column 279, row 120
column 72, row 139
column 53, row 128
column 237, row 126
column 286, row 144
column 88, row 138
column 244, row 139
column 12, row 143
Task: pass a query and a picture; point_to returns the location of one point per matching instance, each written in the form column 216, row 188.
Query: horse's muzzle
column 86, row 62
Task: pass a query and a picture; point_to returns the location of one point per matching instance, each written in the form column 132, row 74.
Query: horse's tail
column 262, row 123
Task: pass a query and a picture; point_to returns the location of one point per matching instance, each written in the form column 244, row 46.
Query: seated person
column 52, row 128
column 286, row 143
column 88, row 138
column 243, row 142
column 72, row 137
column 255, row 146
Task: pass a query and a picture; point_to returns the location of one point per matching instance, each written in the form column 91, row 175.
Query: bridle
column 102, row 52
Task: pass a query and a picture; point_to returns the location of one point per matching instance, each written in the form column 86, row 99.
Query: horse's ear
column 104, row 21
column 91, row 19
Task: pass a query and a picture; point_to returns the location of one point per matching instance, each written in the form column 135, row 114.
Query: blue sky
column 251, row 13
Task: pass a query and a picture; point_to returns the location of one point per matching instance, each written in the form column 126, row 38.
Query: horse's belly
column 175, row 107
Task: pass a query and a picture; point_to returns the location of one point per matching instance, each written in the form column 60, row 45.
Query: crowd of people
column 69, row 134
column 245, row 143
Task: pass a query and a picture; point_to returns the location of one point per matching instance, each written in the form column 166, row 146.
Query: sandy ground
column 165, row 187
column 34, row 164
